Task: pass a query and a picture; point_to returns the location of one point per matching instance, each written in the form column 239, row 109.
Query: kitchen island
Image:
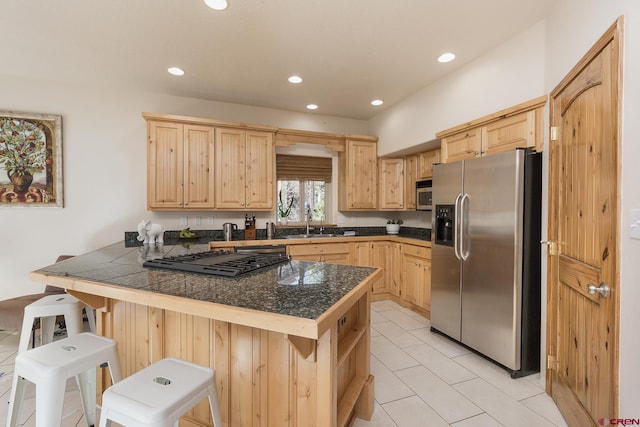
column 289, row 343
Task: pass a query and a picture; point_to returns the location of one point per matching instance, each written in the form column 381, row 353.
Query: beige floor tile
column 499, row 405
column 451, row 405
column 543, row 405
column 387, row 386
column 442, row 344
column 380, row 418
column 482, row 420
column 397, row 335
column 445, row 368
column 391, row 355
column 403, row 320
column 519, row 389
column 412, row 412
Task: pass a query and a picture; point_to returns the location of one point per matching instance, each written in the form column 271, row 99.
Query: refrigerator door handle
column 464, row 227
column 456, row 226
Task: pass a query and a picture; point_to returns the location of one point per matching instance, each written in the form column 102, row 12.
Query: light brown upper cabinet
column 244, row 170
column 410, row 178
column 180, row 163
column 516, row 127
column 392, row 183
column 426, row 160
column 357, row 176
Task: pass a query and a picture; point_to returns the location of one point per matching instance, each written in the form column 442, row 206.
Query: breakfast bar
column 289, row 342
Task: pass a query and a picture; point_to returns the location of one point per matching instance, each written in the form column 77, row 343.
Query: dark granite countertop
column 294, row 288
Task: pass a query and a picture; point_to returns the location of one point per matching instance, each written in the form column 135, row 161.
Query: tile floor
column 424, row 379
column 421, row 379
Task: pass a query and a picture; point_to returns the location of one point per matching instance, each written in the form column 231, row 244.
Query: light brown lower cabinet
column 416, row 277
column 336, row 253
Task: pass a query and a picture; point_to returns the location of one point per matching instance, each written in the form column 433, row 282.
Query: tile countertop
column 294, row 288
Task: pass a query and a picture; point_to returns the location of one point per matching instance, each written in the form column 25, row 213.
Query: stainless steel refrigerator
column 485, row 283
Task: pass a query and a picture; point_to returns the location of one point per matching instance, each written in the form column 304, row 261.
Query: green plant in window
column 284, row 209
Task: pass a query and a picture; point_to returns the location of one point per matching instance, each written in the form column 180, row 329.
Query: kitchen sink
column 311, row 236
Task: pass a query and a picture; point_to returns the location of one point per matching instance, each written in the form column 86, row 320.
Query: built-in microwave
column 424, row 195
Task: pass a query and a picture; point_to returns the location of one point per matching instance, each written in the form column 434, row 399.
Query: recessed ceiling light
column 176, row 71
column 446, row 57
column 312, row 107
column 377, row 102
column 217, row 4
column 295, row 79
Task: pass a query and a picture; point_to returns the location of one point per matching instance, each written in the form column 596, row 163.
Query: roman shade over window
column 303, row 168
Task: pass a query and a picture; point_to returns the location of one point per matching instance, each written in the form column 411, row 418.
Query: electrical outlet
column 198, row 220
column 184, row 220
column 210, row 220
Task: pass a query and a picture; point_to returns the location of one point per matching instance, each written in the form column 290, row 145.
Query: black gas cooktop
column 218, row 263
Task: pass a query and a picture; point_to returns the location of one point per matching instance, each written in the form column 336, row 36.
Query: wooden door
column 584, row 207
column 199, row 167
column 411, row 278
column 164, row 165
column 379, row 260
column 230, row 169
column 393, row 268
column 410, row 178
column 391, row 184
column 259, row 170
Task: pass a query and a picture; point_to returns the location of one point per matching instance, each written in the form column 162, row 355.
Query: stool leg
column 73, row 322
column 25, row 335
column 47, row 327
column 91, row 317
column 87, row 385
column 214, row 405
column 15, row 403
column 49, row 401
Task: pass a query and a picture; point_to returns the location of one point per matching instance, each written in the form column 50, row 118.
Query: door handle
column 456, row 227
column 603, row 289
column 464, row 228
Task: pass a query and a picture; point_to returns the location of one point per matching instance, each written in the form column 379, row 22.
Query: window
column 303, row 183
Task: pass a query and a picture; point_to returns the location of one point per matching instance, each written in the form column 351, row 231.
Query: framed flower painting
column 30, row 159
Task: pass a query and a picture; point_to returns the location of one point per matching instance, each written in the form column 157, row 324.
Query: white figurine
column 150, row 233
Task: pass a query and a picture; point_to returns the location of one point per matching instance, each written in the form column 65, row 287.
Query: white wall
column 104, row 153
column 507, row 75
column 572, row 29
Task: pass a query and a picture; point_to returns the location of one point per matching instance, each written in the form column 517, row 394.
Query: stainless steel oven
column 424, row 195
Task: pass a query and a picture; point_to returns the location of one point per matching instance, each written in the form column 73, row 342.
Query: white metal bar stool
column 49, row 366
column 47, row 309
column 159, row 395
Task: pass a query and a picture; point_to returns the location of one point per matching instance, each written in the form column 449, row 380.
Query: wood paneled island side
column 289, row 343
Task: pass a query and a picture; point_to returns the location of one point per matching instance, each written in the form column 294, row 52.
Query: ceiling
column 348, row 52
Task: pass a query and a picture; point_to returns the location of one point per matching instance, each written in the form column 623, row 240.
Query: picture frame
column 30, row 160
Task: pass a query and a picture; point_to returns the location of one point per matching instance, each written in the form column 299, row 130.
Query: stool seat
column 49, row 366
column 160, row 394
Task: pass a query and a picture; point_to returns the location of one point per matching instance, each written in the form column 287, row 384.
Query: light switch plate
column 183, row 220
column 634, row 227
column 198, row 220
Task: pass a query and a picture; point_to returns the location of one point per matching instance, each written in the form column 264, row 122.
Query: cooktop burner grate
column 218, row 263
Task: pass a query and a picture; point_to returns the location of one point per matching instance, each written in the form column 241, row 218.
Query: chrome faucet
column 308, row 217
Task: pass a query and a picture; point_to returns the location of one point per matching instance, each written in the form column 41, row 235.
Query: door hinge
column 552, row 362
column 553, row 133
column 552, row 247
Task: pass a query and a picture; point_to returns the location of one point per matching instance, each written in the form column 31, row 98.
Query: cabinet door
column 259, row 170
column 230, row 169
column 379, row 260
column 460, row 146
column 391, row 187
column 411, row 279
column 361, row 254
column 426, row 287
column 509, row 133
column 164, row 165
column 426, row 161
column 198, row 167
column 393, row 268
column 358, row 176
column 410, row 178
